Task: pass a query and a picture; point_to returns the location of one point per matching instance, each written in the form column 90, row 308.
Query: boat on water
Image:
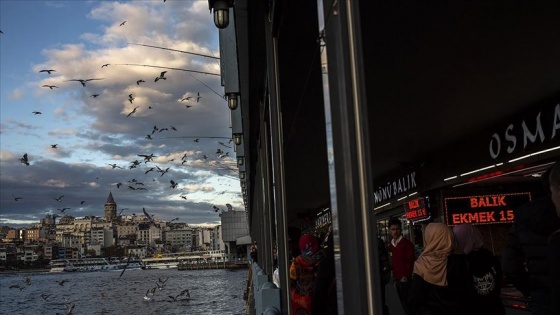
column 172, row 260
column 92, row 264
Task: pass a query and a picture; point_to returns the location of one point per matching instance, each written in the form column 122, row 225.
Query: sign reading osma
column 484, row 209
column 547, row 123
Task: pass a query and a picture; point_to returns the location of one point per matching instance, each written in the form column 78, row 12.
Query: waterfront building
column 234, row 226
column 180, row 238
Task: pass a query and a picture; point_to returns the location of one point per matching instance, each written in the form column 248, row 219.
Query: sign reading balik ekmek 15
column 484, row 209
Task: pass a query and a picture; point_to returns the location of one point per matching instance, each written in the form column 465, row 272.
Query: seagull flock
column 219, row 162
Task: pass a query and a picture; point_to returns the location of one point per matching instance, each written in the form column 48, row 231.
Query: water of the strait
column 212, row 292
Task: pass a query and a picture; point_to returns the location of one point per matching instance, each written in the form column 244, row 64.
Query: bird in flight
column 16, row 198
column 184, row 293
column 149, row 137
column 119, row 185
column 146, row 157
column 36, row 113
column 25, row 160
column 149, row 217
column 127, row 262
column 54, row 146
column 94, row 95
column 161, row 76
column 130, row 98
column 151, row 292
column 198, row 97
column 173, row 184
column 105, row 65
column 122, row 23
column 47, row 71
column 176, row 219
column 132, row 112
column 83, row 81
column 62, row 209
column 45, row 296
column 82, row 202
column 184, row 197
column 114, row 166
column 61, row 282
column 59, row 199
column 186, row 98
column 50, row 86
column 173, row 128
column 188, row 106
column 139, row 81
column 196, row 140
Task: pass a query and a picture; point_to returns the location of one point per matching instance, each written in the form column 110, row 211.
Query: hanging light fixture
column 237, row 138
column 232, row 100
column 221, row 12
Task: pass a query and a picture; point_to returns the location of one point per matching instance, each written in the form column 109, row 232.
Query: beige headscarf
column 431, row 265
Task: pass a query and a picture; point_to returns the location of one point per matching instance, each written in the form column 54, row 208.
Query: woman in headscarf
column 438, row 281
column 484, row 269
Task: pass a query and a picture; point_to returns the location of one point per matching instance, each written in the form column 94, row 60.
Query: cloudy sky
column 81, row 146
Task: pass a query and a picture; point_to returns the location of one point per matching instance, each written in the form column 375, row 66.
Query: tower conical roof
column 110, row 198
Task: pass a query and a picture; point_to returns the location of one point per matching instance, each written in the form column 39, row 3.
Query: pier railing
column 265, row 293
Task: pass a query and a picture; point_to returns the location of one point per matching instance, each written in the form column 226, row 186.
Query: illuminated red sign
column 484, row 209
column 415, row 210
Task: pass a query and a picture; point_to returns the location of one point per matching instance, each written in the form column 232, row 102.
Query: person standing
column 524, row 259
column 554, row 243
column 402, row 262
column 439, row 283
column 485, row 272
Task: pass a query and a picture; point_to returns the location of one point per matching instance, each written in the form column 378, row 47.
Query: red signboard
column 484, row 209
column 416, row 210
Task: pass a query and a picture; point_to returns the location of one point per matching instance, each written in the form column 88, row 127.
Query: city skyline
column 93, row 113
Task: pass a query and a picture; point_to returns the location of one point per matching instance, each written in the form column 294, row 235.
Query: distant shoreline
column 24, row 271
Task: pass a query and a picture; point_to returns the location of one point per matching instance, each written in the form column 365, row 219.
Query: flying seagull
column 16, row 198
column 130, row 98
column 132, row 112
column 94, row 95
column 50, row 86
column 61, row 282
column 36, row 113
column 83, row 81
column 24, row 160
column 139, row 81
column 114, row 166
column 59, row 199
column 47, row 71
column 105, row 65
column 173, row 184
column 54, row 146
column 127, row 262
column 184, row 293
column 149, row 217
column 122, row 23
column 62, row 209
column 82, row 202
column 198, row 97
column 161, row 76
